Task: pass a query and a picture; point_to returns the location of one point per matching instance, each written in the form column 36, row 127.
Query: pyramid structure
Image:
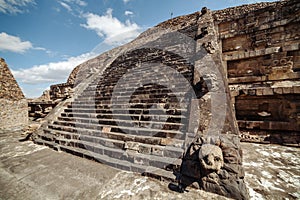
column 13, row 104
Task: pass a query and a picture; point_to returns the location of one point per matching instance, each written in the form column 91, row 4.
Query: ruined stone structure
column 260, row 54
column 139, row 108
column 40, row 107
column 260, row 46
column 13, row 105
column 160, row 105
column 61, row 91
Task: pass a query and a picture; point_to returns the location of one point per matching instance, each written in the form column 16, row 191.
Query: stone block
column 286, row 90
column 259, row 92
column 144, row 149
column 158, row 151
column 296, row 89
column 277, row 90
column 267, row 91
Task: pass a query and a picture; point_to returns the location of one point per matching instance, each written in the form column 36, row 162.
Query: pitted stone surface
column 13, row 105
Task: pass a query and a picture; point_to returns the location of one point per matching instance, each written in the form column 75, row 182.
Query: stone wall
column 261, row 51
column 40, row 107
column 61, row 91
column 14, row 114
column 13, row 105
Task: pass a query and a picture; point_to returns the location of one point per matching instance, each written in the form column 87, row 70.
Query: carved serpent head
column 211, row 158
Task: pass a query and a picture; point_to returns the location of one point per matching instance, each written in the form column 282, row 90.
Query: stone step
column 120, row 154
column 90, row 119
column 155, row 150
column 180, row 67
column 89, row 113
column 157, row 156
column 145, row 84
column 145, row 74
column 75, row 112
column 47, row 136
column 129, row 94
column 136, row 99
column 76, row 136
column 114, row 77
column 120, row 164
column 63, row 125
column 137, row 77
column 40, row 141
column 170, row 142
column 108, row 104
column 97, row 109
column 129, row 88
column 133, row 78
column 127, row 123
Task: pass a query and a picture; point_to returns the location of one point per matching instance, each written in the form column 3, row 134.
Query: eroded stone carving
column 211, row 158
column 212, row 163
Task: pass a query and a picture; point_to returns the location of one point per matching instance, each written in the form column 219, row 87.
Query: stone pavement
column 29, row 171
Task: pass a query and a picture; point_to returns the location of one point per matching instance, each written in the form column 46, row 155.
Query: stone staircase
column 127, row 124
column 137, row 110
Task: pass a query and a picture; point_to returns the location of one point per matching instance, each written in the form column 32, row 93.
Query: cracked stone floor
column 29, row 171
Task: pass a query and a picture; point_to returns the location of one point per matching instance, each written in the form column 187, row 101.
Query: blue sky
column 43, row 40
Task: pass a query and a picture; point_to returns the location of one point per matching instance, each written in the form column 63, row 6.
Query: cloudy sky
column 43, row 40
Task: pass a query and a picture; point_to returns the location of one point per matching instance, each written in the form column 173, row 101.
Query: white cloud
column 66, row 6
column 126, row 1
column 72, row 6
column 13, row 43
column 81, row 3
column 78, row 2
column 110, row 28
column 54, row 72
column 127, row 12
column 14, row 6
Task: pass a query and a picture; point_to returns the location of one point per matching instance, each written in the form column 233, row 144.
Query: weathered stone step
column 72, row 112
column 180, row 66
column 125, row 155
column 170, row 77
column 88, row 112
column 119, row 164
column 95, row 120
column 162, row 72
column 136, row 77
column 127, row 90
column 63, row 125
column 133, row 84
column 50, row 144
column 180, row 92
column 159, row 156
column 97, row 109
column 171, row 142
column 126, row 94
column 137, row 99
column 107, row 104
column 155, row 150
column 128, row 123
column 47, row 136
column 77, row 136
